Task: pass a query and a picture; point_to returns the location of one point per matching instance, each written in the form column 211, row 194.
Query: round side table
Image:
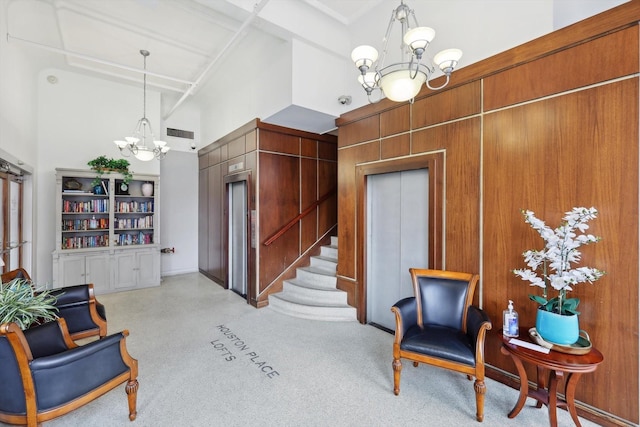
column 558, row 364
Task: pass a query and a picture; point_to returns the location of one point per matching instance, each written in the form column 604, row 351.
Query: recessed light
column 52, row 79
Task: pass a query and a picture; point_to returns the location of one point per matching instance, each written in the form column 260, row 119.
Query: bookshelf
column 107, row 231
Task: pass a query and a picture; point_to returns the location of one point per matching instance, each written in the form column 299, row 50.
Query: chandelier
column 402, row 81
column 136, row 144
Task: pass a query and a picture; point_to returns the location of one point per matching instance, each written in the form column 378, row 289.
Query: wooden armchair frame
column 24, row 358
column 471, row 321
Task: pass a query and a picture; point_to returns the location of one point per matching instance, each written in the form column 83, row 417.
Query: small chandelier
column 137, row 143
column 402, row 81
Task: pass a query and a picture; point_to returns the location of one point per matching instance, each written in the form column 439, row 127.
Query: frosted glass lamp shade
column 399, row 86
column 144, row 154
column 368, row 79
column 447, row 59
column 364, row 56
column 121, row 144
column 159, row 143
column 419, row 38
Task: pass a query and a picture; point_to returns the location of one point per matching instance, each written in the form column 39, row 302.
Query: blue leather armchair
column 44, row 374
column 439, row 326
column 84, row 315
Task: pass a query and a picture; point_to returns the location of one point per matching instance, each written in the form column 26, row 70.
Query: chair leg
column 397, row 368
column 480, row 389
column 132, row 395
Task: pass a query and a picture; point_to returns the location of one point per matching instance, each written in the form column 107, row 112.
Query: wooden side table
column 558, row 364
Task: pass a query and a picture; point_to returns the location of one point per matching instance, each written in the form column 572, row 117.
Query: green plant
column 102, row 164
column 560, row 251
column 21, row 304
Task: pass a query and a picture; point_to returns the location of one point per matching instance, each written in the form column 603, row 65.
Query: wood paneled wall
column 547, row 126
column 287, row 172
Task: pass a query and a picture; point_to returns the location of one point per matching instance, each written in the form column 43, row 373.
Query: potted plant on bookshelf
column 102, row 164
column 557, row 317
column 20, row 303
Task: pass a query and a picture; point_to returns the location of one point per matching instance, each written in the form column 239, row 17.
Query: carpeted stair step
column 324, row 262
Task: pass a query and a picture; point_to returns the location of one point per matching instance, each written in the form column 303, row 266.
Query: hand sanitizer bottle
column 510, row 321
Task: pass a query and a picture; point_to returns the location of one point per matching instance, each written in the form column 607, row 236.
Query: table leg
column 524, row 384
column 553, row 396
column 570, row 392
column 542, row 383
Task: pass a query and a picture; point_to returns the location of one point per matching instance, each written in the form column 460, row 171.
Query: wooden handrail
column 275, row 236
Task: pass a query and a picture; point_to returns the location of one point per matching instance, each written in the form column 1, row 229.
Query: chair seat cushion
column 440, row 342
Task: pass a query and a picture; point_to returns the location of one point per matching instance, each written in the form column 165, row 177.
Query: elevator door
column 238, row 237
column 397, row 239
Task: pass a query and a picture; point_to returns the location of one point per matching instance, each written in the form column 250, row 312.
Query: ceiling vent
column 179, row 133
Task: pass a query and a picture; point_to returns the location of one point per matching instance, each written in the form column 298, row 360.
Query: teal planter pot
column 557, row 329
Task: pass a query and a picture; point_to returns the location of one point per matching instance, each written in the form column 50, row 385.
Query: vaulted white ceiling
column 191, row 41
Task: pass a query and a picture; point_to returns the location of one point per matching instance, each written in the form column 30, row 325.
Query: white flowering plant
column 555, row 260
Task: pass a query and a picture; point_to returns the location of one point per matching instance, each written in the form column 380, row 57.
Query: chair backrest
column 18, row 273
column 443, row 297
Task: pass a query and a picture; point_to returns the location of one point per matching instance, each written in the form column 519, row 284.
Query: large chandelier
column 402, row 81
column 136, row 144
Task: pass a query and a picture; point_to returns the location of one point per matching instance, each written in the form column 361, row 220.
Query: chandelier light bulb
column 418, row 39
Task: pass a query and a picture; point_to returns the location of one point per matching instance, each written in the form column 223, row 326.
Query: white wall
column 79, row 117
column 179, row 212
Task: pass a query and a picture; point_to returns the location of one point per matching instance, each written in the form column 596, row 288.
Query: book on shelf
column 104, row 187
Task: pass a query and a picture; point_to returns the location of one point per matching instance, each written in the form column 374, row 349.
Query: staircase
column 313, row 293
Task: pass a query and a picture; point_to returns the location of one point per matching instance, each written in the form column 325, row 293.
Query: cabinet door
column 71, row 271
column 147, row 267
column 98, row 272
column 125, row 270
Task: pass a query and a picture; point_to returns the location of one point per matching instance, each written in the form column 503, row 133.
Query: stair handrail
column 275, row 236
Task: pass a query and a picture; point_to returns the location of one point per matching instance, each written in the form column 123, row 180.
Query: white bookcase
column 107, row 233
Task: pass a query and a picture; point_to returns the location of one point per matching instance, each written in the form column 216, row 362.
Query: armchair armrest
column 84, row 314
column 406, row 316
column 478, row 323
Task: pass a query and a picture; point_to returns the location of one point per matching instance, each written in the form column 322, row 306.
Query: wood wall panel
column 348, row 158
column 441, row 107
column 395, row 120
column 395, row 146
column 308, row 147
column 277, row 208
column 327, row 182
column 579, row 66
column 327, row 150
column 215, row 268
column 279, row 142
column 360, row 131
column 251, row 141
column 308, row 196
column 236, row 148
column 203, row 161
column 558, row 164
column 461, row 142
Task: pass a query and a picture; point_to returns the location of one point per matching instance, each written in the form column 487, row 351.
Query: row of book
column 80, row 242
column 96, row 205
column 139, row 238
column 145, row 222
column 134, row 206
column 85, row 224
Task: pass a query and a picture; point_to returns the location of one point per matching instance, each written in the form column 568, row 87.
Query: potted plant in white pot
column 20, row 303
column 557, row 316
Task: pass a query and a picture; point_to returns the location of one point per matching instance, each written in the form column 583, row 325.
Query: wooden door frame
column 434, row 162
